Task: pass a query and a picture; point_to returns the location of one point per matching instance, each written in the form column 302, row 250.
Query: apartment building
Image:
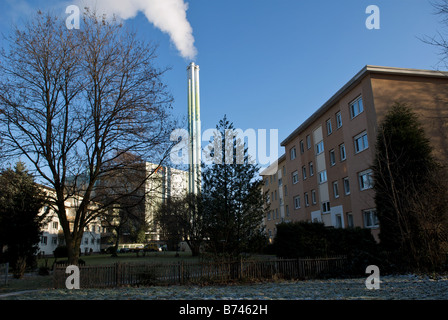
column 328, row 157
column 275, row 190
column 52, row 234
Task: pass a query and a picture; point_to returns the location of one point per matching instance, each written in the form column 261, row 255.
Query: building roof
column 368, row 69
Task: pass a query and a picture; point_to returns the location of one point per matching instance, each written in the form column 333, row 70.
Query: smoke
column 170, row 16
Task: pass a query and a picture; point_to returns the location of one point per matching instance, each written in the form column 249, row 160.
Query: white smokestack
column 170, row 16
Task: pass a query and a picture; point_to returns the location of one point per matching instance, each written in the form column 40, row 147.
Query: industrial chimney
column 194, row 130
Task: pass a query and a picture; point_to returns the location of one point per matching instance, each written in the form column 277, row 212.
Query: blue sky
column 262, row 58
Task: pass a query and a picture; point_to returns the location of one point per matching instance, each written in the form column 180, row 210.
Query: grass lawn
column 33, row 281
column 104, row 259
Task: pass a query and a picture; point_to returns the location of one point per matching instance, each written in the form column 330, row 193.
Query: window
column 295, row 177
column 287, row 211
column 346, row 186
column 356, row 107
column 338, row 221
column 307, row 201
column 361, row 142
column 293, row 153
column 54, row 240
column 311, row 169
column 365, row 180
column 297, row 202
column 269, row 215
column 302, row 148
column 342, row 152
column 55, row 225
column 308, row 142
column 319, row 147
column 326, row 207
column 329, row 129
column 43, row 240
column 313, row 196
column 266, row 181
column 323, row 176
column 338, row 120
column 332, row 158
column 268, row 200
column 276, row 213
column 335, row 189
column 286, row 190
column 304, row 172
column 370, row 218
column 350, row 220
column 86, row 240
column 280, row 182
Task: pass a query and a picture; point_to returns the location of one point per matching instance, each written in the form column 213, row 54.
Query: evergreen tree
column 20, row 223
column 231, row 191
column 411, row 193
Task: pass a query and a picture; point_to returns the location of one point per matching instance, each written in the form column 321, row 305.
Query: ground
column 403, row 287
column 398, row 287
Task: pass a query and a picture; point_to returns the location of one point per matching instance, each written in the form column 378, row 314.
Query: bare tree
column 74, row 101
column 439, row 40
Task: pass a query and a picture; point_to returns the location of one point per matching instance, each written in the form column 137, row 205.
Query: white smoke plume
column 170, row 16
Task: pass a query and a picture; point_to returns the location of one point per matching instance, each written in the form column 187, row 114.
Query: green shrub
column 306, row 239
column 60, row 252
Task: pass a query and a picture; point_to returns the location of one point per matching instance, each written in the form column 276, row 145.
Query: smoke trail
column 170, row 16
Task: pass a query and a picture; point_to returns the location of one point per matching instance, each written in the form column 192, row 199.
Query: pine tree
column 411, row 194
column 231, row 191
column 20, row 223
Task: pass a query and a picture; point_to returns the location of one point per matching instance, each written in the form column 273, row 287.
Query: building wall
column 275, row 186
column 52, row 234
column 428, row 96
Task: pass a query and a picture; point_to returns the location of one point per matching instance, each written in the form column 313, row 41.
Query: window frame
column 297, row 204
column 326, row 208
column 323, row 173
column 373, row 217
column 293, row 153
column 308, row 142
column 335, row 189
column 366, row 173
column 338, row 117
column 320, row 147
column 295, row 174
column 354, row 113
column 346, row 179
column 311, row 168
column 332, row 157
column 363, row 137
column 329, row 127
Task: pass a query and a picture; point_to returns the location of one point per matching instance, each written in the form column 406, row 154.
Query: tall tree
column 231, row 189
column 74, row 101
column 411, row 198
column 182, row 219
column 21, row 200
